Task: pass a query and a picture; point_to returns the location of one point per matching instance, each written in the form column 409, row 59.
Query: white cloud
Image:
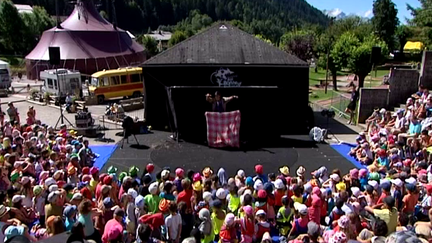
column 368, row 14
column 335, row 12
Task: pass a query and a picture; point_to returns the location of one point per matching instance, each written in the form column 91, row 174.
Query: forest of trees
column 269, row 18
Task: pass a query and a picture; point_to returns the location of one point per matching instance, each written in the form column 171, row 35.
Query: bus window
column 123, row 79
column 135, row 78
column 104, row 82
column 55, row 84
column 50, row 83
column 95, row 82
column 115, row 80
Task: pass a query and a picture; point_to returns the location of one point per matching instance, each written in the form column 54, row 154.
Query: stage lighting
column 318, row 134
column 329, row 113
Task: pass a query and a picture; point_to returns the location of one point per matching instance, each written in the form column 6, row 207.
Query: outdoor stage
column 292, row 151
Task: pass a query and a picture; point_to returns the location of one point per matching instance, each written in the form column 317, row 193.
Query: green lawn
column 314, row 78
column 380, row 73
column 376, row 80
column 320, row 95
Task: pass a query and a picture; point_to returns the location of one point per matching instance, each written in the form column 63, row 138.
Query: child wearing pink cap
column 316, row 206
column 353, row 178
column 228, row 233
column 179, row 177
column 363, row 178
column 247, row 224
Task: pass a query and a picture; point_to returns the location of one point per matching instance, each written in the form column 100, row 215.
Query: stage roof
column 224, row 44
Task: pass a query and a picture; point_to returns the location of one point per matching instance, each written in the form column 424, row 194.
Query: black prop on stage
column 259, row 120
column 273, row 100
column 130, row 128
column 292, row 151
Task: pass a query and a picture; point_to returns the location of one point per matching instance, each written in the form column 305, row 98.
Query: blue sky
column 362, row 7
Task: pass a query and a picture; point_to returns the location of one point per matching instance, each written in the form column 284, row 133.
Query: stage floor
column 292, row 151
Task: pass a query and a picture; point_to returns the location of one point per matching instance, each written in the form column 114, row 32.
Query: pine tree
column 385, row 21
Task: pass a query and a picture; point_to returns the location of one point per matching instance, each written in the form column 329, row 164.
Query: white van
column 68, row 82
column 5, row 75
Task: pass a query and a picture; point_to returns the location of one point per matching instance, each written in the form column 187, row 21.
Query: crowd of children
column 50, row 186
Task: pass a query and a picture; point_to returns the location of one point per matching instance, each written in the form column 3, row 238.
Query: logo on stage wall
column 224, row 77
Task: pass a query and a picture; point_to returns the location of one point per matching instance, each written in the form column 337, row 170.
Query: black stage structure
column 272, row 85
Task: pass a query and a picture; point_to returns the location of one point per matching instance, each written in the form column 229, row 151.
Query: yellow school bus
column 114, row 83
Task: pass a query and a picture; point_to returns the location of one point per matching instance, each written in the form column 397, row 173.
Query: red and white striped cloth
column 223, row 129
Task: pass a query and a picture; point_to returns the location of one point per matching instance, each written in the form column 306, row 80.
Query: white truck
column 5, row 75
column 60, row 82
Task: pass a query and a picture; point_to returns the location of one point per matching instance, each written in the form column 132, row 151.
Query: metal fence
column 115, row 122
column 337, row 102
column 316, row 107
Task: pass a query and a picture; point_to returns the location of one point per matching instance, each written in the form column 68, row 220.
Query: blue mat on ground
column 105, row 151
column 343, row 149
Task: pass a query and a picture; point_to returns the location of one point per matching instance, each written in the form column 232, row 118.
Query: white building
column 162, row 37
column 23, row 8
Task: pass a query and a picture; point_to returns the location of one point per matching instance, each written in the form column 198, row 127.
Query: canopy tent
column 413, row 46
column 88, row 43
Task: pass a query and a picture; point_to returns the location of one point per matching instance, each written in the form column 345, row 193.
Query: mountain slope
column 138, row 15
column 336, row 13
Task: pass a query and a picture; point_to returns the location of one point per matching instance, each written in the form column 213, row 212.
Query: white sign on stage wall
column 224, row 77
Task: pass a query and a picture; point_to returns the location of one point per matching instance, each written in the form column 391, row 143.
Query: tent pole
column 57, row 14
column 107, row 63
column 118, row 64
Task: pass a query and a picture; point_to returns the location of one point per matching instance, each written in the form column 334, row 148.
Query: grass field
column 335, row 100
column 320, row 95
column 314, row 78
column 380, row 73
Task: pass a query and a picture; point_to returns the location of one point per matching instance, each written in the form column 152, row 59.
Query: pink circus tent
column 88, row 43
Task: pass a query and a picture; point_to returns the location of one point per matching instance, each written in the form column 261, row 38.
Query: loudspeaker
column 376, row 55
column 54, row 55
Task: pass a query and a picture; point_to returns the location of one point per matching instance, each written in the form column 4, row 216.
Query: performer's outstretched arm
column 228, row 99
